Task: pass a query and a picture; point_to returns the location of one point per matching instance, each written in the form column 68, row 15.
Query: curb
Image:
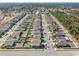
column 21, row 49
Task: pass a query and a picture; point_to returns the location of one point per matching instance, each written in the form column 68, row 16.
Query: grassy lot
column 70, row 22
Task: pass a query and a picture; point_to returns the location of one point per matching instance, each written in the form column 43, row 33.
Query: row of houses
column 8, row 27
column 36, row 33
column 59, row 34
column 20, row 35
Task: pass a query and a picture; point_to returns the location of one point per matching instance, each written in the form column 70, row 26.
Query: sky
column 39, row 1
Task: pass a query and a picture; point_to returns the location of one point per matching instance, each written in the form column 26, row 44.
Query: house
column 60, row 41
